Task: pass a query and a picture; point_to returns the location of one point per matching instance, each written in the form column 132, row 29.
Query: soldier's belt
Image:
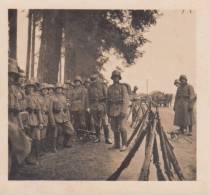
column 30, row 111
column 45, row 112
column 58, row 111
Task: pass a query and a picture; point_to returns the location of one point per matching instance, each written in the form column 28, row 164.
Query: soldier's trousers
column 100, row 120
column 118, row 125
column 79, row 122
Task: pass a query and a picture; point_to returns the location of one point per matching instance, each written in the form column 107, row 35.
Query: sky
column 171, row 52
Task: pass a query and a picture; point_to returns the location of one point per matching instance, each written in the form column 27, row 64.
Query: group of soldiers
column 41, row 113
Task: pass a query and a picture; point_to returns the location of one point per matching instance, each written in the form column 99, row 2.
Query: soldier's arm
column 51, row 114
column 125, row 100
column 41, row 121
column 108, row 101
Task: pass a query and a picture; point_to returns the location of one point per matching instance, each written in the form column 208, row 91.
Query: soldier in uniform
column 19, row 143
column 78, row 106
column 88, row 118
column 35, row 121
column 183, row 105
column 97, row 95
column 135, row 105
column 117, row 110
column 60, row 118
column 45, row 105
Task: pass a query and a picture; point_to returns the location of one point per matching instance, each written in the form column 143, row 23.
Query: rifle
column 129, row 156
column 144, row 175
column 156, row 162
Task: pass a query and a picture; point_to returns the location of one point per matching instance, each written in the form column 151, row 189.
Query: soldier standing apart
column 78, row 106
column 97, row 102
column 117, row 108
column 35, row 121
column 45, row 105
column 60, row 118
column 183, row 105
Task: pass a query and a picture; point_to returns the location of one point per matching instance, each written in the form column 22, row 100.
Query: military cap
column 87, row 80
column 51, row 86
column 116, row 73
column 58, row 85
column 44, row 86
column 30, row 83
column 78, row 78
column 182, row 77
column 93, row 77
column 68, row 82
column 65, row 86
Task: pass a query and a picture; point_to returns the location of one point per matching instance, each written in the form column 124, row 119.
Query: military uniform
column 97, row 102
column 44, row 101
column 183, row 105
column 60, row 119
column 117, row 110
column 19, row 143
column 78, row 107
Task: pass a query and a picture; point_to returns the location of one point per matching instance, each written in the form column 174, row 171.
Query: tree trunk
column 33, row 45
column 12, row 16
column 50, row 49
column 78, row 49
column 28, row 45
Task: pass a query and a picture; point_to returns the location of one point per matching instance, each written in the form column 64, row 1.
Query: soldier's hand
column 41, row 126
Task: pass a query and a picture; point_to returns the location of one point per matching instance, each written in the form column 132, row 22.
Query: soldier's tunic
column 117, row 110
column 183, row 106
column 35, row 117
column 78, row 107
column 97, row 101
column 45, row 108
column 59, row 116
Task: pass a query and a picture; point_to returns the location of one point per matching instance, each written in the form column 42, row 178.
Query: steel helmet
column 116, row 73
column 44, row 86
column 87, row 80
column 93, row 77
column 68, row 82
column 30, row 83
column 58, row 85
column 51, row 86
column 183, row 77
column 78, row 78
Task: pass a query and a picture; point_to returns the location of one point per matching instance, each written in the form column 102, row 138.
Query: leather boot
column 124, row 140
column 37, row 149
column 66, row 141
column 97, row 135
column 54, row 145
column 106, row 135
column 117, row 139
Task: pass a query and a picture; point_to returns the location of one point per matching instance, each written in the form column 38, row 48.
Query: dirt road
column 90, row 161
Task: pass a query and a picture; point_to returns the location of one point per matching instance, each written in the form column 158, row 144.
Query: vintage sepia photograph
column 102, row 94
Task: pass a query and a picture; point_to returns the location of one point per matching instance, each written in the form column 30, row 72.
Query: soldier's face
column 116, row 79
column 21, row 80
column 44, row 91
column 30, row 89
column 59, row 90
column 50, row 91
column 183, row 82
column 77, row 83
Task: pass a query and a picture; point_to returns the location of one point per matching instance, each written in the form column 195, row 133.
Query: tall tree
column 33, row 43
column 12, row 16
column 50, row 49
column 91, row 33
column 28, row 56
